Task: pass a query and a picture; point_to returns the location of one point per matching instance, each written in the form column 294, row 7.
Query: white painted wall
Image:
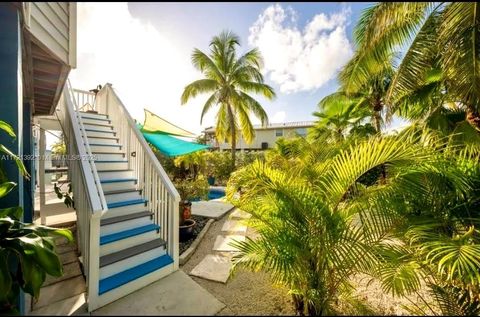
column 261, row 135
column 54, row 24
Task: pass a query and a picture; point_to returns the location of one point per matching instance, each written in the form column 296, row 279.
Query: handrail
column 89, row 169
column 154, row 183
column 170, row 187
column 98, row 185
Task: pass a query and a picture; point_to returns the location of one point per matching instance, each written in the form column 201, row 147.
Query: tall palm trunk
column 377, row 115
column 234, row 135
column 234, row 147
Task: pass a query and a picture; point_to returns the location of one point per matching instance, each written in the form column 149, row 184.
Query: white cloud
column 300, row 60
column 143, row 65
column 278, row 117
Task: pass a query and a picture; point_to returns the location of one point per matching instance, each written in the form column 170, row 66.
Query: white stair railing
column 163, row 198
column 90, row 203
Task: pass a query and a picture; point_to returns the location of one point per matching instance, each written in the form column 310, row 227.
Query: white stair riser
column 125, row 210
column 105, row 127
column 109, row 166
column 115, row 175
column 112, row 198
column 94, row 121
column 118, row 186
column 96, row 133
column 103, row 141
column 93, row 115
column 103, row 148
column 130, row 262
column 127, row 243
column 130, row 287
column 125, row 225
column 109, row 156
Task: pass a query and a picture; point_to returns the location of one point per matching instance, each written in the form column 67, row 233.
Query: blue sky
column 194, row 24
column 144, row 50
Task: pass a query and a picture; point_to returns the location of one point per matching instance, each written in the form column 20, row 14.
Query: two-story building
column 265, row 136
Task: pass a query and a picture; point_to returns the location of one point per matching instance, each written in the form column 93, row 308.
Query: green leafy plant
column 26, row 250
column 191, row 189
column 66, row 196
column 318, row 225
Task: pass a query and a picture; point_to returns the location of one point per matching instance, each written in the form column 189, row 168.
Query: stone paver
column 240, row 214
column 237, row 226
column 222, row 243
column 59, row 291
column 174, row 295
column 210, row 209
column 69, row 270
column 75, row 305
column 213, row 267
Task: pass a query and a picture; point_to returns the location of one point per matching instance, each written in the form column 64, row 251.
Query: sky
column 144, row 51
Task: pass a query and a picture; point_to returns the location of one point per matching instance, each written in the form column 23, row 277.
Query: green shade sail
column 169, row 145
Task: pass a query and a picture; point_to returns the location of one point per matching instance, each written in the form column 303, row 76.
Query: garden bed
column 201, row 222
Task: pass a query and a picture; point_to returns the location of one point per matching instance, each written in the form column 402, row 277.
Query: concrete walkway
column 174, row 295
column 216, row 266
column 211, row 208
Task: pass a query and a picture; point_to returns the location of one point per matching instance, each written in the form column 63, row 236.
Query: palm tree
column 337, row 113
column 443, row 36
column 229, row 79
column 317, row 225
column 371, row 93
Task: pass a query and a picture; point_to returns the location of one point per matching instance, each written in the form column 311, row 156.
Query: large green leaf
column 17, row 160
column 33, row 276
column 6, row 187
column 5, row 277
column 7, row 128
column 34, row 247
column 13, row 212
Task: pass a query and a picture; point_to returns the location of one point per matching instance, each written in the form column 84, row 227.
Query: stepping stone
column 234, row 226
column 210, row 209
column 222, row 243
column 213, row 267
column 68, row 257
column 69, row 270
column 60, row 291
column 240, row 214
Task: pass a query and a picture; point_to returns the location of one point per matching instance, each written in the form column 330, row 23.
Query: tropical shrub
column 318, row 225
column 193, row 163
column 26, row 250
column 193, row 189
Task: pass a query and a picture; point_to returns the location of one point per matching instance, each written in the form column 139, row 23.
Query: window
column 278, row 132
column 301, row 131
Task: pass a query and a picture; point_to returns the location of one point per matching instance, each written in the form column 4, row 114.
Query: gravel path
column 245, row 293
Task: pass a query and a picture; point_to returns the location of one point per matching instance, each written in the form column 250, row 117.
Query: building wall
column 11, row 98
column 262, row 135
column 54, row 24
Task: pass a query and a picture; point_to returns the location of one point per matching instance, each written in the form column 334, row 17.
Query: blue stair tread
column 127, row 233
column 117, row 180
column 126, row 203
column 119, row 279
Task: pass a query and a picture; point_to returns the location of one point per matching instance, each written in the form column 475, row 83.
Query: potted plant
column 186, row 222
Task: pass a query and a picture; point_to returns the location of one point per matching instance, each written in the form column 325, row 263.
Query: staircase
column 129, row 224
